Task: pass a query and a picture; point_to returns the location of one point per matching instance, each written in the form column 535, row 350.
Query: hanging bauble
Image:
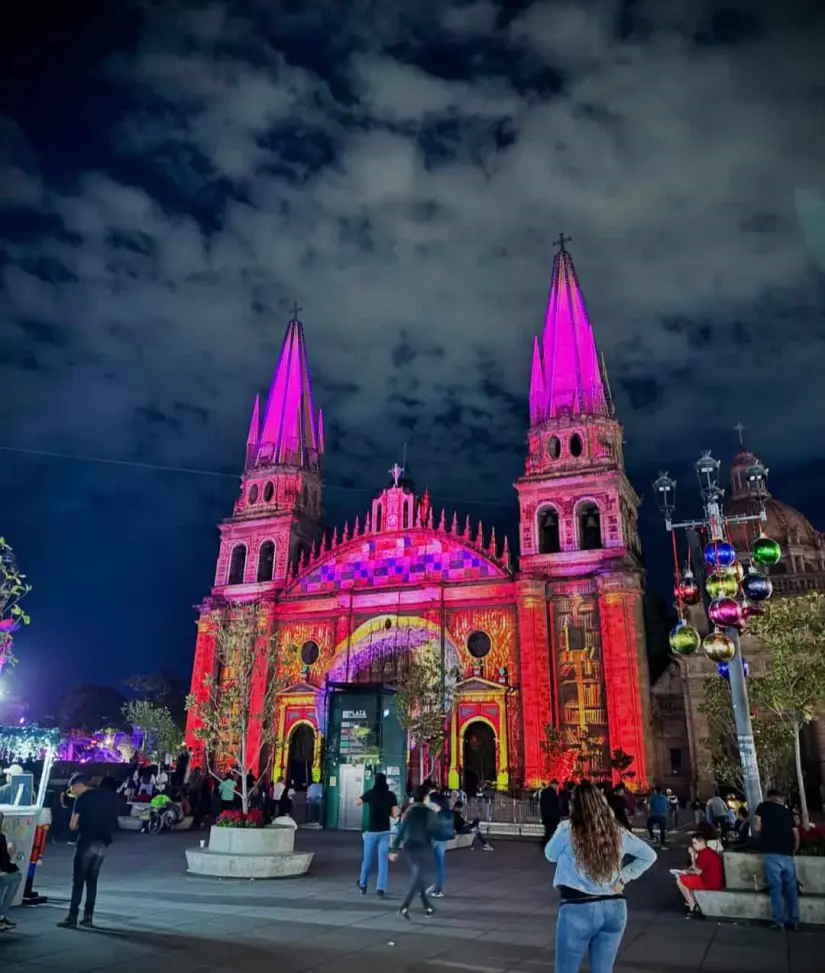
column 684, row 639
column 724, row 669
column 739, row 571
column 752, row 611
column 725, row 611
column 723, row 583
column 719, row 647
column 686, row 590
column 719, row 554
column 756, row 586
column 765, row 551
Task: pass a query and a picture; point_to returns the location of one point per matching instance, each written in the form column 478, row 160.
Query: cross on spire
column 296, row 309
column 560, row 243
column 739, row 429
column 396, row 473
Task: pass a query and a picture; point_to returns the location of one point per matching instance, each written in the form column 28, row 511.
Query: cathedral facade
column 555, row 641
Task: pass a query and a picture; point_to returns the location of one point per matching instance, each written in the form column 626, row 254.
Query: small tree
column 792, row 631
column 13, row 588
column 423, row 699
column 773, row 747
column 234, row 713
column 621, row 762
column 559, row 760
column 159, row 734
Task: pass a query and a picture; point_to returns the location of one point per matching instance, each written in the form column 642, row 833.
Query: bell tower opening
column 549, row 532
column 590, row 527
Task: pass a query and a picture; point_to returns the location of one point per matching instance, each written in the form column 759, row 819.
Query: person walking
column 382, row 807
column 416, row 833
column 550, row 810
column 94, row 819
column 315, row 801
column 717, row 813
column 778, row 836
column 445, row 832
column 589, row 851
column 672, row 809
column 10, row 879
column 657, row 815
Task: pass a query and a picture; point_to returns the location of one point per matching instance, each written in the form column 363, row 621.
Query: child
column 706, row 873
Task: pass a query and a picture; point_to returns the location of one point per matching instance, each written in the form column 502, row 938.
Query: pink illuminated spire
column 537, row 392
column 569, row 363
column 288, row 433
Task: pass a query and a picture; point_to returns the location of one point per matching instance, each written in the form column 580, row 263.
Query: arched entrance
column 478, row 756
column 300, row 756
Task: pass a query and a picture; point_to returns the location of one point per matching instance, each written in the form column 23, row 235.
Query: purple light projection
column 566, row 375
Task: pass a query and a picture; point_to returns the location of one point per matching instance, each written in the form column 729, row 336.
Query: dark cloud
column 175, row 174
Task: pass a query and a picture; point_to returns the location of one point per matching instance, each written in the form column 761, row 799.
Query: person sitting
column 285, row 819
column 711, row 836
column 462, row 826
column 739, row 836
column 705, row 874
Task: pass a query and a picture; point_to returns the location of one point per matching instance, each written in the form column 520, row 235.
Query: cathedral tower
column 581, row 579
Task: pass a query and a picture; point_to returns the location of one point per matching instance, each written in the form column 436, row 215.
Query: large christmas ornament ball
column 765, row 551
column 725, row 611
column 719, row 554
column 719, row 647
column 756, row 586
column 752, row 611
column 684, row 639
column 723, row 583
column 687, row 591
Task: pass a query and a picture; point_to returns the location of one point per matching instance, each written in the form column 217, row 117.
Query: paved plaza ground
column 498, row 916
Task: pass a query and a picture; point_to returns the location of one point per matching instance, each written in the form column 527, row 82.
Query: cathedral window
column 269, row 491
column 553, row 447
column 479, row 644
column 549, row 534
column 237, row 564
column 378, row 517
column 310, row 653
column 266, row 561
column 253, row 494
column 405, row 515
column 576, row 445
column 590, row 527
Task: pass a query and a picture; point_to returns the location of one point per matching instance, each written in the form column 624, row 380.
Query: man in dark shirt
column 94, row 819
column 550, row 810
column 382, row 806
column 778, row 837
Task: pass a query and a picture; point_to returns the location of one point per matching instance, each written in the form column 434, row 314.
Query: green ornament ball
column 765, row 551
column 723, row 584
column 719, row 647
column 684, row 639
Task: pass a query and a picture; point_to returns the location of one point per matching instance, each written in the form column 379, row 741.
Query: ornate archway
column 478, row 756
column 301, row 755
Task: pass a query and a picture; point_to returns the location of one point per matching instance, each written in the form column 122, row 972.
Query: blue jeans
column 780, row 873
column 9, row 884
column 439, row 850
column 595, row 928
column 375, row 842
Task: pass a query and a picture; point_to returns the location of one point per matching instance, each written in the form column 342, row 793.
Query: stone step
column 756, row 906
column 221, row 864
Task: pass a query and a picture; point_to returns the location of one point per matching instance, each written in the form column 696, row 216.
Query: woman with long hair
column 588, row 850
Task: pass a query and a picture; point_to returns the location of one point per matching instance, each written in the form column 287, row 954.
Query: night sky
column 174, row 175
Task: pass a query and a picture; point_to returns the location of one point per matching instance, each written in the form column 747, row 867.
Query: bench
column 750, row 906
column 134, row 823
column 460, row 841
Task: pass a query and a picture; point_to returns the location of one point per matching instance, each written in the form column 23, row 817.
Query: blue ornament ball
column 719, row 554
column 756, row 587
column 724, row 669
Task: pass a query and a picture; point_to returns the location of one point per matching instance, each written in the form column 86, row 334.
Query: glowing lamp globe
column 719, row 554
column 719, row 647
column 687, row 591
column 756, row 587
column 723, row 584
column 725, row 611
column 684, row 639
column 765, row 552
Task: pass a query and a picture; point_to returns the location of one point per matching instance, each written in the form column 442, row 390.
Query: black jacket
column 549, row 806
column 419, row 828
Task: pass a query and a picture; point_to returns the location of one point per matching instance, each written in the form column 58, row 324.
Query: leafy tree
column 792, row 631
column 238, row 701
column 559, row 760
column 88, row 708
column 13, row 588
column 423, row 698
column 621, row 762
column 773, row 748
column 163, row 688
column 159, row 734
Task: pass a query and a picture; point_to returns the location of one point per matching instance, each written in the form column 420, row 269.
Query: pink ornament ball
column 725, row 612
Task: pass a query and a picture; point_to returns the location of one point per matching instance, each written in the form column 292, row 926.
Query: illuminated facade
column 558, row 641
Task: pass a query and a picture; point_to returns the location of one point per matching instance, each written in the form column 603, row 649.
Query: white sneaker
column 488, row 848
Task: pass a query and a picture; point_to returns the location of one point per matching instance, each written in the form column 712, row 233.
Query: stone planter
column 249, row 853
column 745, row 870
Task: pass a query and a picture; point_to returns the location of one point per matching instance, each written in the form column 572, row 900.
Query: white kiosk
column 26, row 825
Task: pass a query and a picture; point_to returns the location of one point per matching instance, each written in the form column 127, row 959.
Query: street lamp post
column 726, row 613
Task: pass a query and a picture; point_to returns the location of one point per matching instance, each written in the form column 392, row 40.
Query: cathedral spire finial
column 739, row 429
column 396, row 473
column 560, row 243
column 296, row 310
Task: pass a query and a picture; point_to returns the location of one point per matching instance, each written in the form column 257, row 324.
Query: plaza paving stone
column 498, row 917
